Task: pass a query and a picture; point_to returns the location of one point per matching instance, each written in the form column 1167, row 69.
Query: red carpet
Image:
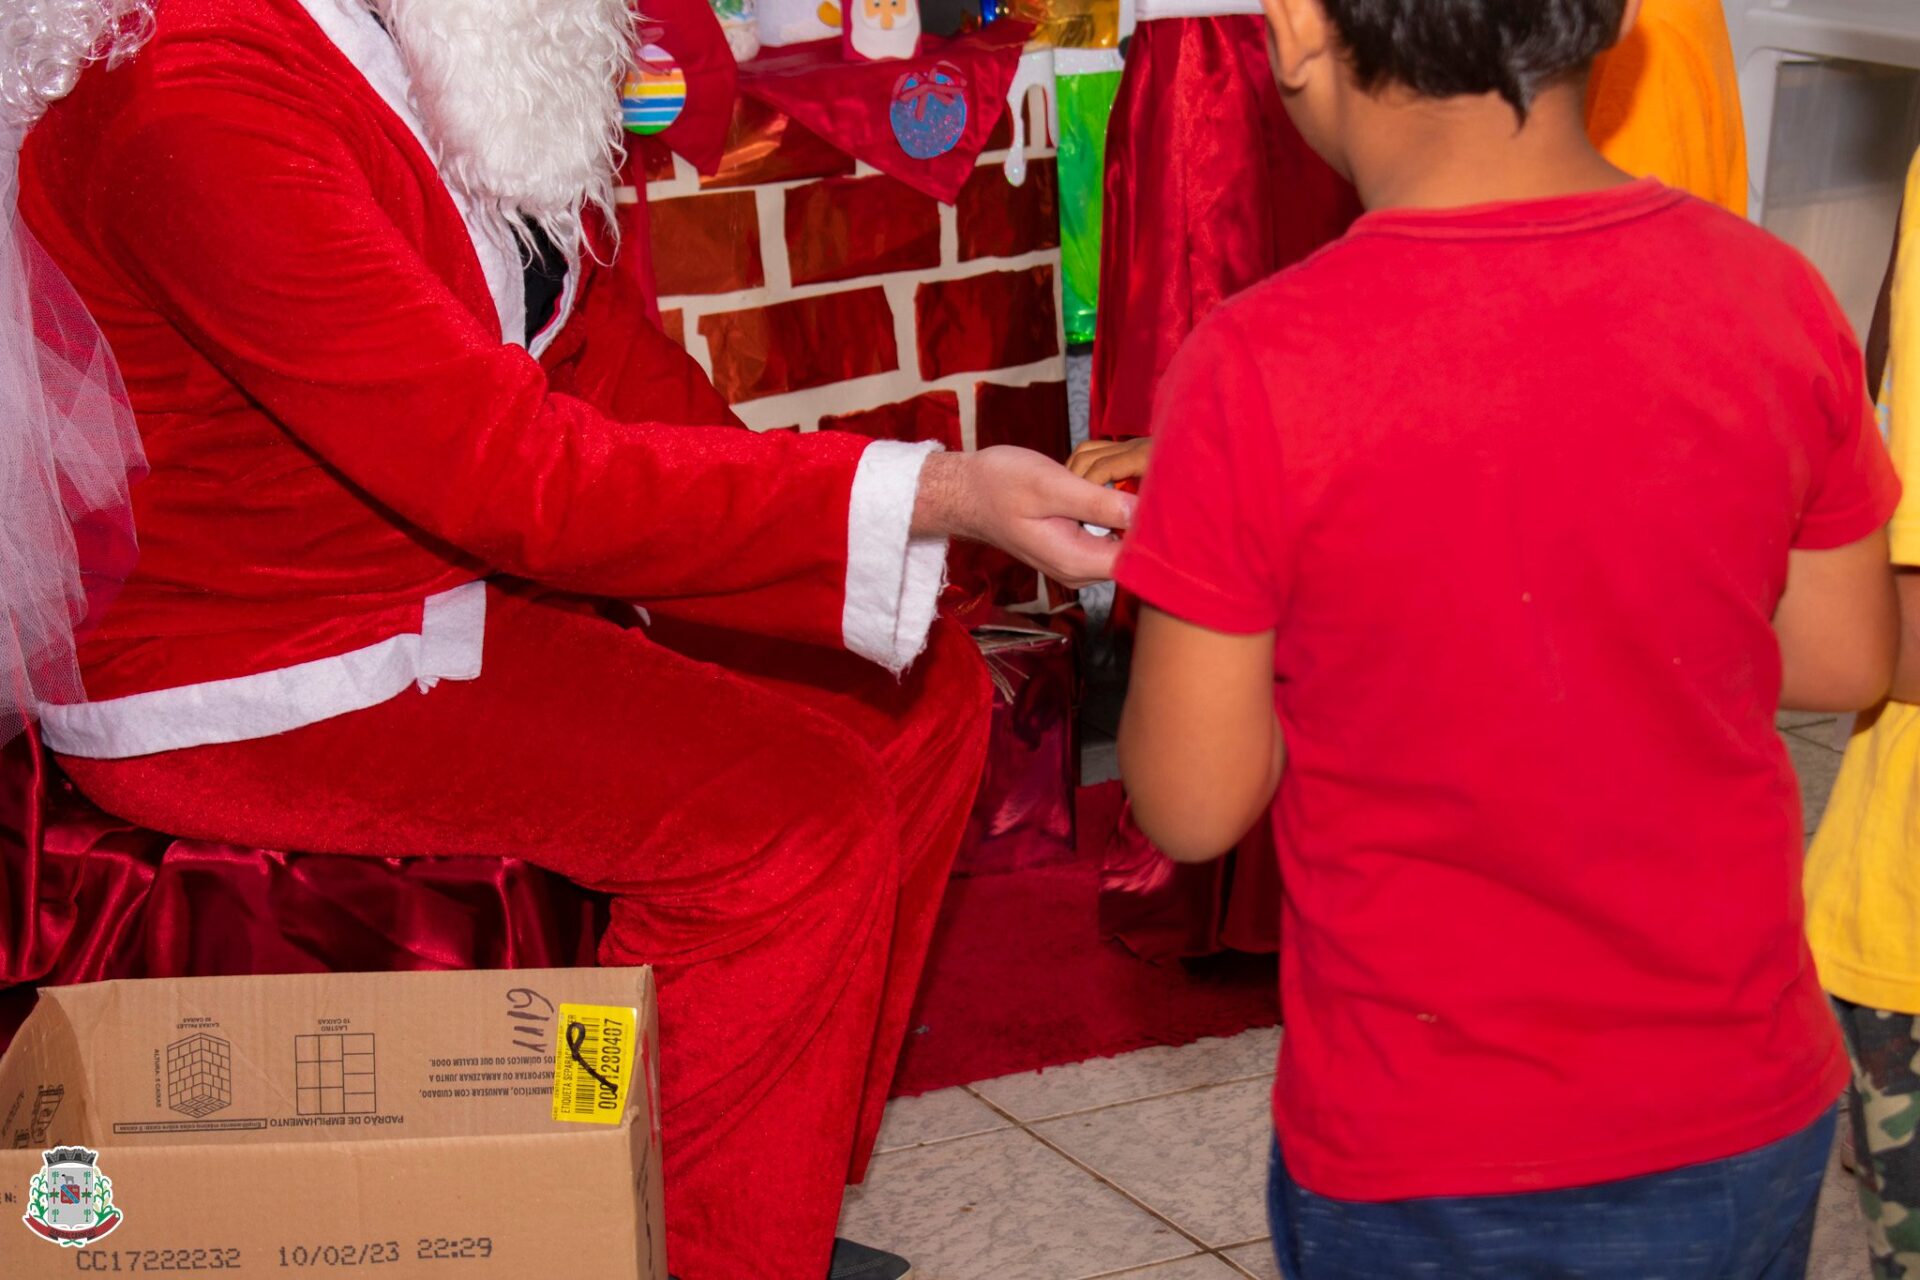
column 1019, row 979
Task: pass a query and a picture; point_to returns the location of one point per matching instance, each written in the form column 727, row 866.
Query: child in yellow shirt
column 1863, row 871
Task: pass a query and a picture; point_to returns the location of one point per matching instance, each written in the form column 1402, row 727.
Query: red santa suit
column 379, row 539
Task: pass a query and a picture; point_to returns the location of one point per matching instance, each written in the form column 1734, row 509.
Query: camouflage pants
column 1885, row 1105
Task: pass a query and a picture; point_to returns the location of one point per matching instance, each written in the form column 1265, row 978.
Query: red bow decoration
column 918, row 86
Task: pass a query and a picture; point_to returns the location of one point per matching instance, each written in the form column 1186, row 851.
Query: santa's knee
column 807, row 822
column 840, row 827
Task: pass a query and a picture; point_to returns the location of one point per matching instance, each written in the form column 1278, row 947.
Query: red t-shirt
column 1514, row 487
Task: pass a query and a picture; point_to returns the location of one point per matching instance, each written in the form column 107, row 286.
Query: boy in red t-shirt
column 1481, row 550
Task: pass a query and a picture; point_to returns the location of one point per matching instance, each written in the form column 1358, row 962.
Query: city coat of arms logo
column 70, row 1201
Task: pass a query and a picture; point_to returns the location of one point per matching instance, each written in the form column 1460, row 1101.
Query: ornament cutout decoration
column 655, row 92
column 929, row 110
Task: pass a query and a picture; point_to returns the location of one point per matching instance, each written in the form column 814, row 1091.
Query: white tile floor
column 1150, row 1165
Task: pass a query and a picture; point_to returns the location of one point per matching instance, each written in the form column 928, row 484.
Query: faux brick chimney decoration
column 706, row 244
column 845, row 228
column 999, row 220
column 994, row 320
column 934, row 415
column 795, row 345
column 821, row 294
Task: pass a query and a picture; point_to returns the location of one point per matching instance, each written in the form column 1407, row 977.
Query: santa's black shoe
column 857, row 1262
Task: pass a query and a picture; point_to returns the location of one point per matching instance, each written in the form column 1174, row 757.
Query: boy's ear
column 1301, row 35
column 1629, row 14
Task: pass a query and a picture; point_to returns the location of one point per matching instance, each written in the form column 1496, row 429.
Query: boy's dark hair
column 1448, row 48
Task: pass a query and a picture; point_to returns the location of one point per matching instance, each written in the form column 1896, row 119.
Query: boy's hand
column 1110, row 461
column 1027, row 505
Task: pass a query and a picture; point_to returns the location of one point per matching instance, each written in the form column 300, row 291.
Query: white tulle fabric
column 68, row 447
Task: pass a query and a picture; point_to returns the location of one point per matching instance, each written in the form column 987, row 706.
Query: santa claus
column 446, row 549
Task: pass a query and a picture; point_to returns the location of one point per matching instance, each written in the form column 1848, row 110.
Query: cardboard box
column 321, row 1124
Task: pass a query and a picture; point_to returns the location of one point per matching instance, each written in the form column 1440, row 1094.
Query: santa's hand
column 1027, row 505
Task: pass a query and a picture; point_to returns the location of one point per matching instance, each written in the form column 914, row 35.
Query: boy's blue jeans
column 1749, row 1217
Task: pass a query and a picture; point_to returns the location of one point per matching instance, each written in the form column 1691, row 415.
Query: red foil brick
column 809, row 342
column 932, row 416
column 765, row 145
column 706, row 244
column 1000, row 220
column 848, row 227
column 1001, row 139
column 1033, row 417
column 992, row 321
column 674, row 325
column 1002, row 136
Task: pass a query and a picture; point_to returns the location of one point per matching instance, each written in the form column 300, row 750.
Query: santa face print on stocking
column 884, row 28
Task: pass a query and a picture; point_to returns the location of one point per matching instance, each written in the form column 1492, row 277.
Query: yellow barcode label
column 593, row 1062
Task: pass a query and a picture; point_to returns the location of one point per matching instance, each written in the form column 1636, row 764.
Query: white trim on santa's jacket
column 447, row 647
column 893, row 581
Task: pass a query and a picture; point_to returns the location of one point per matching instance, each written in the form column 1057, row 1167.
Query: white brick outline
column 807, row 407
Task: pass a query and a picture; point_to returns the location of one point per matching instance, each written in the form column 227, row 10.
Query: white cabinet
column 1831, row 92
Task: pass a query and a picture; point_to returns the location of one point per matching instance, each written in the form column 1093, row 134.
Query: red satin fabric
column 84, row 897
column 848, row 103
column 775, row 826
column 1210, row 189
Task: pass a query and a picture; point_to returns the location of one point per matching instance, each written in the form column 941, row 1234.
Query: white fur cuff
column 893, row 580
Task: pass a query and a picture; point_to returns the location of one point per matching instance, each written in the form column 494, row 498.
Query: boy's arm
column 1209, row 555
column 1200, row 746
column 1839, row 626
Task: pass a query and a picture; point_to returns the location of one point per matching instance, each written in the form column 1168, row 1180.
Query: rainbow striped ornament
column 655, row 93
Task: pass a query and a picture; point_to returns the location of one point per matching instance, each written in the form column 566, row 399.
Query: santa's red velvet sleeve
column 261, row 238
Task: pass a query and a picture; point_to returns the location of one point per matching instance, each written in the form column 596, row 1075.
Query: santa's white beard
column 522, row 99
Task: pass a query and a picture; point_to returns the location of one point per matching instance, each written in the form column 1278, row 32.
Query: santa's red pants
column 775, row 825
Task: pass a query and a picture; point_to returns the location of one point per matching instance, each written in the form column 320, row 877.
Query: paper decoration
column 1034, row 72
column 850, row 104
column 785, row 22
column 655, row 92
column 882, row 29
column 1086, row 84
column 929, row 111
column 740, row 21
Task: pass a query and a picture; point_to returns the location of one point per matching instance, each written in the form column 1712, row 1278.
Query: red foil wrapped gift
column 1024, row 815
column 1162, row 910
